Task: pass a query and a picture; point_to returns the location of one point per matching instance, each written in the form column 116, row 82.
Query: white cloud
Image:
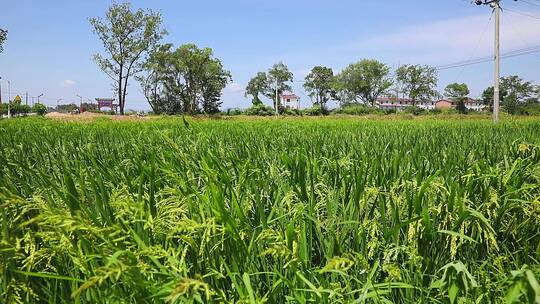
column 234, row 88
column 69, row 83
column 461, row 38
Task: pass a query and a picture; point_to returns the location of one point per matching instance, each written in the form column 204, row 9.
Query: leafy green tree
column 487, row 97
column 39, row 109
column 18, row 108
column 459, row 93
column 256, row 86
column 159, row 84
column 3, row 38
column 186, row 80
column 279, row 78
column 127, row 37
column 89, row 107
column 364, row 81
column 514, row 92
column 319, row 84
column 213, row 80
column 418, row 82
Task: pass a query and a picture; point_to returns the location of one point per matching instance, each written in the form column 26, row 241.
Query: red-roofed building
column 290, row 101
column 470, row 104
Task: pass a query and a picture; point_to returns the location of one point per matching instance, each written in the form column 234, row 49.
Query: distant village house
column 290, row 101
column 399, row 104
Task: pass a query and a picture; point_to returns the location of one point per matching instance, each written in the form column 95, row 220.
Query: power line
column 477, row 44
column 516, row 53
column 522, row 13
column 530, row 3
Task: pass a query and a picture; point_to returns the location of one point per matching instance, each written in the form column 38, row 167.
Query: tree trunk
column 120, row 101
column 124, row 95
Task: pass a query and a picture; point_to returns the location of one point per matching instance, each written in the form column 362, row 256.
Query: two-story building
column 290, row 101
column 471, row 104
column 398, row 104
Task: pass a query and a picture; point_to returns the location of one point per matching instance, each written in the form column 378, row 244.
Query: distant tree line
column 363, row 82
column 190, row 80
column 17, row 108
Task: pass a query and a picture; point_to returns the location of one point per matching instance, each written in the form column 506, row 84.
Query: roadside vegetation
column 270, row 211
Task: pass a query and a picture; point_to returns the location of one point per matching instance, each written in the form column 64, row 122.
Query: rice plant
column 270, row 211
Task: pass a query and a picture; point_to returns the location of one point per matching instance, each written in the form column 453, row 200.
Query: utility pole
column 496, row 5
column 40, row 95
column 496, row 88
column 26, row 99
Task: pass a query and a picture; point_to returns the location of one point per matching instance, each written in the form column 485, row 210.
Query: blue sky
column 50, row 43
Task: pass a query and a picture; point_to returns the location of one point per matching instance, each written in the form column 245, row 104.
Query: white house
column 398, row 104
column 394, row 103
column 290, row 101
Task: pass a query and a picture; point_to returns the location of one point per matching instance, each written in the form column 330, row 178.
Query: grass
column 330, row 210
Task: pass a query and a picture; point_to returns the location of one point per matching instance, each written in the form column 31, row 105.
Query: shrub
column 449, row 111
column 414, row 110
column 315, row 110
column 261, row 110
column 530, row 108
column 292, row 112
column 39, row 109
column 390, row 111
column 3, row 109
column 434, row 111
column 234, row 112
column 357, row 109
column 19, row 109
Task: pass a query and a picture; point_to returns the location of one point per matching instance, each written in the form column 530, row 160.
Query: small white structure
column 290, row 101
column 475, row 105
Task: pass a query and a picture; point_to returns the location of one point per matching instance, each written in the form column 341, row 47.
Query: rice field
column 270, row 211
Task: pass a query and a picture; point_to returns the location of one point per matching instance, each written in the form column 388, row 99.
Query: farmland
column 270, row 210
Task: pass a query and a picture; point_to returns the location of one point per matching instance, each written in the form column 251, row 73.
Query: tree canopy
column 279, row 78
column 127, row 36
column 3, row 38
column 319, row 84
column 256, row 86
column 514, row 92
column 276, row 80
column 418, row 82
column 364, row 81
column 186, row 80
column 459, row 93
